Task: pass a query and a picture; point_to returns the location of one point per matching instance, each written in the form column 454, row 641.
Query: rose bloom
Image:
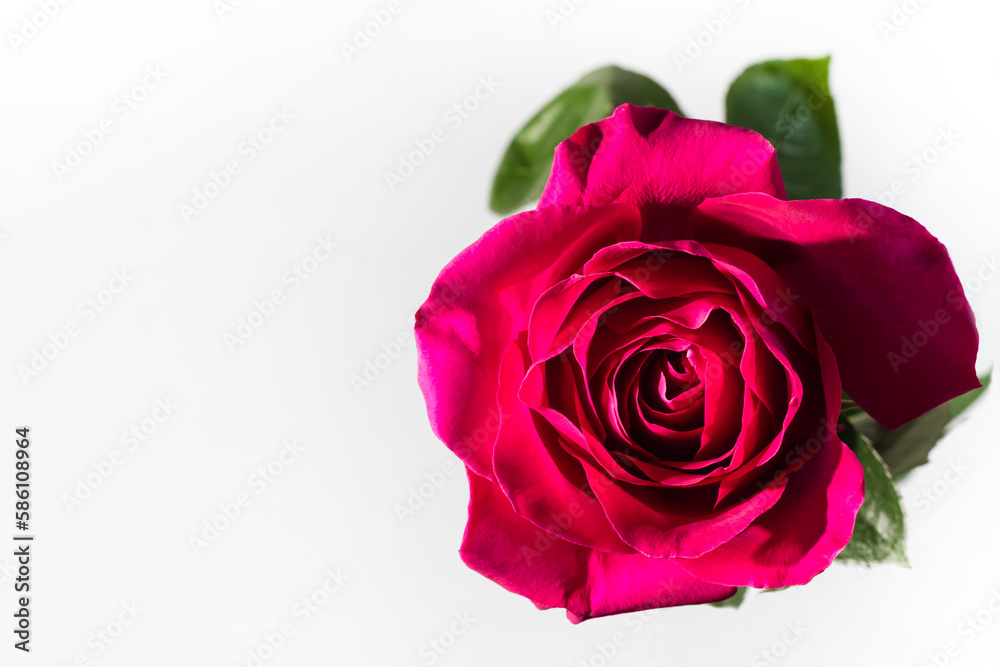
column 643, row 375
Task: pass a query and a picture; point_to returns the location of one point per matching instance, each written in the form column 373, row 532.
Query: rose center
column 666, row 375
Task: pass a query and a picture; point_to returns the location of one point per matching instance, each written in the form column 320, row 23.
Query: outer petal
column 550, row 572
column 800, row 536
column 483, row 298
column 878, row 285
column 544, row 483
column 645, row 155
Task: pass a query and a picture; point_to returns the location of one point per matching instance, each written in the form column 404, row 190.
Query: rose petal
column 483, row 298
column 876, row 282
column 672, row 522
column 652, row 156
column 551, row 572
column 561, row 311
column 543, row 482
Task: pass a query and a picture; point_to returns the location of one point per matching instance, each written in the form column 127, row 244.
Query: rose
column 643, row 375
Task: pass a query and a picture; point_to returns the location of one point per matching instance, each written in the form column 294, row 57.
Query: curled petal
column 643, row 156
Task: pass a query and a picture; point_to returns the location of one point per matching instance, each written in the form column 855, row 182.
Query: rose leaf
column 790, row 104
column 734, row 602
column 880, row 528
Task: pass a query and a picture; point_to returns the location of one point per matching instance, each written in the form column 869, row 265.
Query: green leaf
column 880, row 529
column 790, row 104
column 734, row 601
column 527, row 162
column 910, row 445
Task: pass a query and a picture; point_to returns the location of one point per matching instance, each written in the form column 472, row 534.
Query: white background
column 332, row 507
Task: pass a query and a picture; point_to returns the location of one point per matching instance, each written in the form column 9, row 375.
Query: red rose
column 643, row 375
